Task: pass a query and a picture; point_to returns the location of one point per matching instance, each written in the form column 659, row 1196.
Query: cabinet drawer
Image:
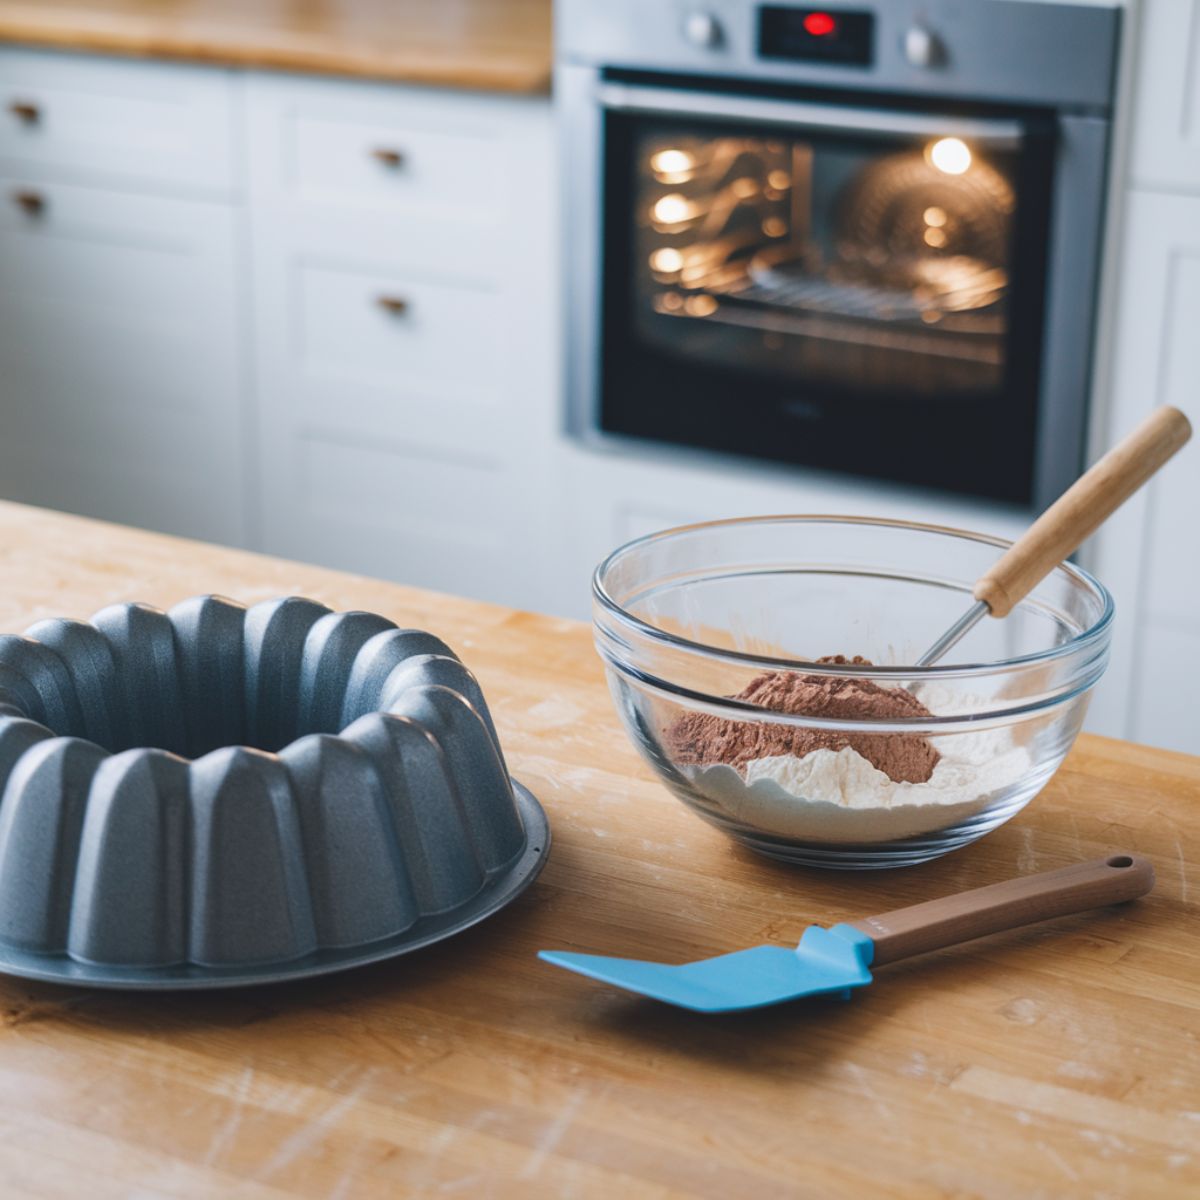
column 162, row 127
column 395, row 331
column 395, row 161
column 397, row 155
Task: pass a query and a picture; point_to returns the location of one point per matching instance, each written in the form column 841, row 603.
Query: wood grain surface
column 496, row 45
column 1060, row 1060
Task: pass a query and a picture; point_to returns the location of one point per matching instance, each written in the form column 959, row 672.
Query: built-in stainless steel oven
column 864, row 240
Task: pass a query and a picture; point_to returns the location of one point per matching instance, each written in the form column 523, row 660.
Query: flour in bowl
column 831, row 795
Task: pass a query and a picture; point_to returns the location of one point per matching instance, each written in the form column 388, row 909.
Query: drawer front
column 352, row 167
column 417, row 161
column 120, row 385
column 393, row 331
column 110, row 121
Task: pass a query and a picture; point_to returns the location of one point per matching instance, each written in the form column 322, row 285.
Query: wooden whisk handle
column 1082, row 509
column 1008, row 905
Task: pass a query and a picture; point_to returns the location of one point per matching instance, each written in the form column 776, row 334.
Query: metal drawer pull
column 33, row 203
column 396, row 305
column 26, row 111
column 387, row 156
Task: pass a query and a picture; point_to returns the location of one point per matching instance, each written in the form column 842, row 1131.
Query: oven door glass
column 844, row 288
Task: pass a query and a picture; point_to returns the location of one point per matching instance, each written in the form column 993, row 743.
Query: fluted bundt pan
column 219, row 795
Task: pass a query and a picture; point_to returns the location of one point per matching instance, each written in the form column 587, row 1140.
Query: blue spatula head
column 827, row 960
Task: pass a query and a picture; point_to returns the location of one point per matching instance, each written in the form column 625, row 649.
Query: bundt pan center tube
column 220, row 795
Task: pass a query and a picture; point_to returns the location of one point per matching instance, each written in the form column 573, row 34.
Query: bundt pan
column 222, row 795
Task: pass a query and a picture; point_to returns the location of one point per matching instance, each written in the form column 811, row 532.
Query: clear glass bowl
column 686, row 619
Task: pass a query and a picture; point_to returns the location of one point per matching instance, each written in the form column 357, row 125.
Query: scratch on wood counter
column 552, row 1135
column 227, row 1130
column 1058, row 1160
column 862, row 1082
column 314, row 1131
column 1100, row 1119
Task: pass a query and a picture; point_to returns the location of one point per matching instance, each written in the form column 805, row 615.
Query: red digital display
column 839, row 36
column 819, row 24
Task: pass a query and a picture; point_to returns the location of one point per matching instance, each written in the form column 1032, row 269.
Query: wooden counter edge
column 512, row 74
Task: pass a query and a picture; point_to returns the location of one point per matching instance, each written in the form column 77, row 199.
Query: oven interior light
column 672, row 209
column 667, row 260
column 672, row 160
column 820, row 24
column 950, row 155
column 672, row 166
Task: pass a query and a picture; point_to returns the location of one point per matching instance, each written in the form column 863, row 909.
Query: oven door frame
column 1072, row 257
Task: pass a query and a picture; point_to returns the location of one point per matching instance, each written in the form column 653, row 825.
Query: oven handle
column 676, row 102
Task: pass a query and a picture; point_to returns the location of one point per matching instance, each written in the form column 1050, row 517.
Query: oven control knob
column 923, row 48
column 702, row 29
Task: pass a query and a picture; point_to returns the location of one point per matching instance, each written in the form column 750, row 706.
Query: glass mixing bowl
column 687, row 619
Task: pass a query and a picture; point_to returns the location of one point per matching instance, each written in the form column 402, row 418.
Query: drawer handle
column 31, row 203
column 25, row 111
column 387, row 156
column 397, row 306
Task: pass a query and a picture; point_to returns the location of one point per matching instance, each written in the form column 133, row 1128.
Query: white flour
column 838, row 796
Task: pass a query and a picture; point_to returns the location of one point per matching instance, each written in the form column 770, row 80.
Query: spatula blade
column 826, row 961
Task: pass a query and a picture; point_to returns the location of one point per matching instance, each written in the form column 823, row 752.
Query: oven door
column 850, row 288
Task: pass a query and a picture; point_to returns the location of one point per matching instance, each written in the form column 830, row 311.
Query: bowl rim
column 1074, row 645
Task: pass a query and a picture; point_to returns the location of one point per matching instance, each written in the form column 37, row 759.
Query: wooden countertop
column 1062, row 1060
column 495, row 45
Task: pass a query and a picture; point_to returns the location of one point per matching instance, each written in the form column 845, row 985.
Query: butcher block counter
column 497, row 45
column 1061, row 1060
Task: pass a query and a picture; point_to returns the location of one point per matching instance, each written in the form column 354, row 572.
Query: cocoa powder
column 697, row 739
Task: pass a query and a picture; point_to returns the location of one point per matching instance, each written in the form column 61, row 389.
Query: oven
column 864, row 241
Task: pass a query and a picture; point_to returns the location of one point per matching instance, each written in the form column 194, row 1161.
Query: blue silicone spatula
column 837, row 960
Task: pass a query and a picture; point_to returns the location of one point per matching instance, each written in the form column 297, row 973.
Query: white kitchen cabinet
column 1149, row 552
column 1165, row 133
column 122, row 376
column 162, row 128
column 120, row 388
column 406, row 369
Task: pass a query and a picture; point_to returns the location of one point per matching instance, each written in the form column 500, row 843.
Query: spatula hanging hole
column 1119, row 860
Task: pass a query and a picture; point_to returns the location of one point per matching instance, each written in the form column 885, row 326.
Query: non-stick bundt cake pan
column 222, row 795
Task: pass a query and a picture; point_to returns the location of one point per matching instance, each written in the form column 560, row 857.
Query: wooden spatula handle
column 1008, row 905
column 1082, row 509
